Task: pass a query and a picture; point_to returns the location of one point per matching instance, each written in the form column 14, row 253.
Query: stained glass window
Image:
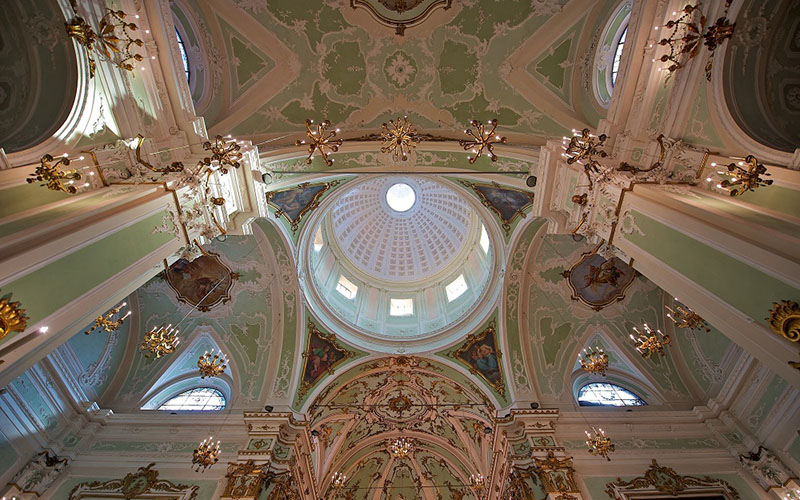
column 199, row 399
column 618, row 57
column 602, row 394
column 184, row 56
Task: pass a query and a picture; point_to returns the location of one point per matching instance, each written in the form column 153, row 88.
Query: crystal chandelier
column 400, row 448
column 212, row 365
column 205, row 455
column 160, row 340
column 650, row 341
column 320, row 139
column 684, row 317
column 399, row 138
column 594, row 361
column 740, row 180
column 599, row 444
column 107, row 322
column 338, row 479
column 481, row 139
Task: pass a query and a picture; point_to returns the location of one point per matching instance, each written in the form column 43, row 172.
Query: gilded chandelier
column 689, row 41
column 683, row 317
column 399, row 138
column 594, row 361
column 740, row 180
column 320, row 139
column 650, row 341
column 107, row 322
column 477, row 482
column 599, row 444
column 227, row 154
column 338, row 479
column 481, row 139
column 113, row 40
column 400, row 448
column 51, row 176
column 160, row 341
column 212, row 365
column 582, row 148
column 205, row 455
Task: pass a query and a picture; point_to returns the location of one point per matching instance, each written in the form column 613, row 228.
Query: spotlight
column 487, row 430
column 530, row 181
column 315, row 433
column 266, row 178
column 534, row 405
column 268, row 408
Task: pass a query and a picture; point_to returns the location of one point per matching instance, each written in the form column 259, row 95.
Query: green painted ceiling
column 285, row 62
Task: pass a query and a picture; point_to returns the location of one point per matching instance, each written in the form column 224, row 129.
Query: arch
column 444, row 414
column 40, row 82
column 185, row 385
column 195, row 43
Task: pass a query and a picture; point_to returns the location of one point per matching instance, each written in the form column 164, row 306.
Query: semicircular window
column 602, row 394
column 617, row 57
column 199, row 399
column 184, row 54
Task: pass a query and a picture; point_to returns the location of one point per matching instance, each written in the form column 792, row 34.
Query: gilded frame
column 400, row 25
column 488, row 203
column 616, row 297
column 310, row 206
column 474, row 339
column 305, row 386
column 143, row 484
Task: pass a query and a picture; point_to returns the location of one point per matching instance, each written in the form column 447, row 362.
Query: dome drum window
column 347, row 288
column 401, row 307
column 608, row 58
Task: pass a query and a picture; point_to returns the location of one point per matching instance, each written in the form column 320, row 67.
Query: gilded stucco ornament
column 145, row 481
column 784, row 319
column 401, row 14
column 12, row 317
column 664, row 480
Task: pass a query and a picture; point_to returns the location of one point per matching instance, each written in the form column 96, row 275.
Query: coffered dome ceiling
column 407, row 260
column 402, row 245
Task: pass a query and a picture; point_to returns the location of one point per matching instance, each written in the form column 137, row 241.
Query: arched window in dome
column 484, row 239
column 198, row 399
column 604, row 394
column 456, row 288
column 318, row 241
column 347, row 288
column 184, row 55
column 608, row 58
column 401, row 307
column 618, row 56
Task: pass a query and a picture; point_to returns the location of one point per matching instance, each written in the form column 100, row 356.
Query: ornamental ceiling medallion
column 665, row 480
column 203, row 282
column 483, row 358
column 508, row 203
column 295, row 202
column 321, row 356
column 12, row 317
column 401, row 14
column 597, row 281
column 143, row 482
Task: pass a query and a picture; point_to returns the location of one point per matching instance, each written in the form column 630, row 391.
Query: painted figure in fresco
column 485, row 361
column 604, row 274
column 321, row 360
column 194, row 280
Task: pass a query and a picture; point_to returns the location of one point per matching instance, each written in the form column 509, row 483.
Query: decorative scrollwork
column 145, row 481
column 12, row 317
column 667, row 481
column 784, row 319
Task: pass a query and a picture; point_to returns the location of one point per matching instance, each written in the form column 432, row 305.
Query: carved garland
column 134, row 485
column 665, row 480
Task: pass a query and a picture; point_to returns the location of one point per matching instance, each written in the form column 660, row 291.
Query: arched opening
column 605, row 394
column 197, row 399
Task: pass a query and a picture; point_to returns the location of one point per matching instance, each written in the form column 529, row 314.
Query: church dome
column 399, row 261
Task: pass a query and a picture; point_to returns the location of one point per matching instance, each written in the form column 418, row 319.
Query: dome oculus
column 400, row 197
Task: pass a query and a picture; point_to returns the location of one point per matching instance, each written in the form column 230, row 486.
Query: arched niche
column 39, row 80
column 761, row 73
